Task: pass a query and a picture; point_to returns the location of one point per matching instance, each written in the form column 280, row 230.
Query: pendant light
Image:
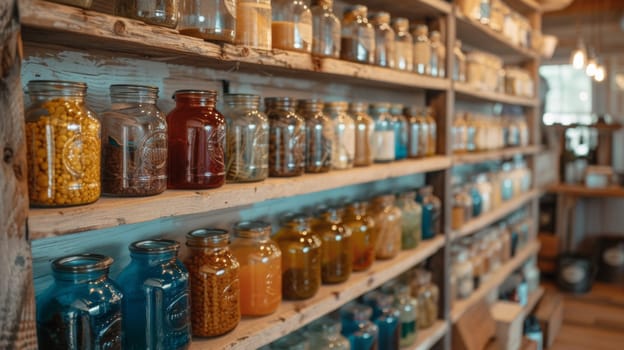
column 578, row 56
column 600, row 73
column 590, row 69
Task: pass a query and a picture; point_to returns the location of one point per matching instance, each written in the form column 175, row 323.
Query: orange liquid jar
column 363, row 235
column 337, row 249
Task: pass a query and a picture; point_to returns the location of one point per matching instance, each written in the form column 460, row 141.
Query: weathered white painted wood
column 479, row 157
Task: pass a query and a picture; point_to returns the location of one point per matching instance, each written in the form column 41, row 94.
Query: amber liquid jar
column 363, row 235
column 337, row 250
column 196, row 141
column 286, row 137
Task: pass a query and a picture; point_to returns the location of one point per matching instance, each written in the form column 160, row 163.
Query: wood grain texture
column 465, row 91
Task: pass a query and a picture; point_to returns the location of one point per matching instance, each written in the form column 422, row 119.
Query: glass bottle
column 215, row 282
column 158, row 12
column 62, row 145
column 364, row 128
column 358, row 36
column 301, row 258
column 404, row 45
column 385, row 53
column 459, row 62
column 83, row 307
column 325, row 29
column 458, row 216
column 196, row 141
column 431, row 211
column 485, row 190
column 471, row 144
column 209, row 20
column 388, row 223
column 408, row 315
column 432, row 135
column 383, row 136
column 155, row 286
column 428, row 296
column 459, row 133
column 477, row 201
column 286, row 137
column 134, row 153
column 411, row 217
column 357, row 327
column 337, row 252
column 291, row 26
column 363, row 233
column 324, row 333
column 463, row 273
column 343, row 144
column 319, row 131
column 253, row 24
column 386, row 317
column 438, row 55
column 422, row 50
column 418, row 133
column 399, row 121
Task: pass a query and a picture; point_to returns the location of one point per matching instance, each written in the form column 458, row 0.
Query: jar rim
column 257, row 226
column 154, row 246
column 133, row 89
column 206, row 236
column 81, row 263
column 198, row 93
column 52, row 87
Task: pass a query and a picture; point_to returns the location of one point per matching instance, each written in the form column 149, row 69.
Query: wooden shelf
column 427, row 338
column 524, row 6
column 534, row 298
column 480, row 157
column 252, row 333
column 584, row 191
column 410, row 8
column 465, row 91
column 493, row 281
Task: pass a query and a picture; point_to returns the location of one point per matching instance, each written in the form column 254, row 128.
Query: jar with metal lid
column 363, row 234
column 209, row 20
column 215, row 283
column 383, row 134
column 286, row 137
column 385, row 53
column 293, row 341
column 438, row 55
column 62, row 145
column 253, row 24
column 431, row 209
column 85, row 4
column 432, row 132
column 404, row 45
column 428, row 296
column 83, row 307
column 291, row 26
column 459, row 62
column 324, row 333
column 386, row 317
column 343, row 144
column 337, row 251
column 422, row 50
column 158, row 12
column 364, row 128
column 411, row 217
column 399, row 123
column 260, row 274
column 357, row 42
column 319, row 136
column 408, row 317
column 155, row 286
column 357, row 327
column 388, row 223
column 463, row 273
column 325, row 29
column 418, row 132
column 301, row 258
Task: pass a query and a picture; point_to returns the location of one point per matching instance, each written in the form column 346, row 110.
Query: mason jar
column 337, row 251
column 418, row 132
column 411, row 217
column 408, row 308
column 388, row 222
column 291, row 26
column 383, row 134
column 253, row 24
column 325, row 29
column 357, row 327
column 385, row 53
column 364, row 128
column 210, row 20
column 404, row 45
column 400, row 126
column 428, row 296
column 286, row 137
column 363, row 233
column 343, row 145
column 158, row 12
column 386, row 317
column 431, row 212
column 438, row 55
column 324, row 333
column 319, row 131
column 358, row 36
column 422, row 50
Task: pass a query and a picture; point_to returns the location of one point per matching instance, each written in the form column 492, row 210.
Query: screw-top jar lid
column 131, row 89
column 82, row 263
column 252, row 228
column 380, row 17
column 196, row 93
column 57, row 87
column 400, row 24
column 241, row 98
column 312, row 105
column 206, row 236
column 154, row 246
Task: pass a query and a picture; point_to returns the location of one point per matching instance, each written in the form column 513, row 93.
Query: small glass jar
column 324, row 333
column 484, row 187
column 158, row 12
column 431, row 209
column 337, row 252
column 343, row 144
column 363, row 234
column 83, row 307
column 62, row 145
column 253, row 24
column 404, row 45
column 418, row 132
column 462, row 208
column 422, row 50
column 411, row 217
column 293, row 341
column 319, row 131
column 386, row 317
column 291, row 27
column 408, row 309
column 209, row 20
column 357, row 327
column 428, row 296
column 463, row 274
column 155, row 286
column 432, row 132
column 388, row 222
column 215, row 283
column 476, row 201
column 357, row 42
column 385, row 37
column 459, row 62
column 459, row 133
column 399, row 122
column 383, row 136
column 301, row 258
column 364, row 128
column 286, row 137
column 325, row 29
column 438, row 55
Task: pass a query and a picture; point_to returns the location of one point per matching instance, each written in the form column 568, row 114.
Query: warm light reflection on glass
column 600, row 74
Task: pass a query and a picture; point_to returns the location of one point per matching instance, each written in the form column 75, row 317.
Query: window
column 569, row 98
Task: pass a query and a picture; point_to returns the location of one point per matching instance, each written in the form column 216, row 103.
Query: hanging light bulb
column 590, row 70
column 600, row 73
column 578, row 56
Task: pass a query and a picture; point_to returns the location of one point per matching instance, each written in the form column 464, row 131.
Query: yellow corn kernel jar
column 63, row 145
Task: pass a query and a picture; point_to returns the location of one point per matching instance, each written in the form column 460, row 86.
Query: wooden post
column 17, row 311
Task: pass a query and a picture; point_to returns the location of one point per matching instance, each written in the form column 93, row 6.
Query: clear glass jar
column 357, row 43
column 404, row 44
column 286, row 137
column 471, row 144
column 385, row 53
column 343, row 145
column 158, row 12
column 422, row 50
column 155, row 285
column 438, row 55
column 507, row 186
column 411, row 220
column 428, row 296
column 260, row 272
column 432, row 132
column 462, row 273
column 386, row 317
column 357, row 327
column 291, row 27
column 459, row 62
column 301, row 258
column 414, row 126
column 319, row 131
column 388, row 223
column 408, row 308
column 459, row 133
column 253, row 24
column 484, row 187
column 324, row 333
column 399, row 122
column 363, row 234
column 431, row 209
column 337, row 251
column 210, row 20
column 63, row 145
column 364, row 128
column 325, row 29
column 215, row 282
column 462, row 208
column 383, row 136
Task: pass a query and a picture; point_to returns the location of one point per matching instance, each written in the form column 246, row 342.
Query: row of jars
column 475, row 132
column 485, row 72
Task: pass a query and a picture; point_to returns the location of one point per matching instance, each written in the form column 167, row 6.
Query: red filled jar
column 196, row 141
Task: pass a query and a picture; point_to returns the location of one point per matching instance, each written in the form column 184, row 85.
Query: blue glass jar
column 156, row 298
column 357, row 327
column 477, row 201
column 400, row 131
column 82, row 308
column 431, row 211
column 386, row 317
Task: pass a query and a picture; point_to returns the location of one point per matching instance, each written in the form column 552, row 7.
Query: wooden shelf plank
column 427, row 338
column 524, row 6
column 407, row 8
column 480, row 157
column 494, row 280
column 252, row 333
column 534, row 298
column 584, row 191
column 465, row 91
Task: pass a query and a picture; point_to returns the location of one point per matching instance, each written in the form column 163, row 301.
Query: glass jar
column 388, row 223
column 408, row 317
column 363, row 234
column 158, row 12
column 209, row 20
column 385, row 53
column 357, row 43
column 325, row 29
column 83, row 307
column 324, row 333
column 507, row 184
column 215, row 283
column 286, row 137
column 459, row 133
column 422, row 50
column 386, row 317
column 319, row 131
column 62, row 145
column 411, row 217
column 428, row 296
column 343, row 144
column 471, row 131
column 485, row 191
column 476, row 201
column 155, row 286
column 399, row 122
column 463, row 273
column 404, row 45
column 357, row 327
column 364, row 128
column 432, row 132
column 462, row 208
column 431, row 211
column 291, row 27
column 293, row 341
column 253, row 24
column 438, row 55
column 301, row 258
column 134, row 153
column 196, row 141
column 505, row 237
column 459, row 62
column 337, row 252
column 418, row 132
column 383, row 136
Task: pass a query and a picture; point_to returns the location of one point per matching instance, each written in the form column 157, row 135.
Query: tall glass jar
column 286, row 137
column 388, row 221
column 438, row 55
column 404, row 45
column 459, row 133
column 411, row 220
column 459, row 62
column 386, row 317
column 253, row 24
column 357, row 42
column 319, row 131
column 431, row 211
column 301, row 258
column 260, row 262
column 83, row 307
column 325, row 29
column 428, row 296
column 385, row 53
column 155, row 286
column 209, row 20
column 399, row 123
column 357, row 327
column 383, row 136
column 363, row 233
column 292, row 25
column 158, row 12
column 463, row 274
column 343, row 144
column 134, row 153
column 196, row 141
column 337, row 252
column 324, row 333
column 422, row 50
column 62, row 145
column 432, row 135
column 408, row 308
column 364, row 128
column 215, row 283
column 418, row 132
